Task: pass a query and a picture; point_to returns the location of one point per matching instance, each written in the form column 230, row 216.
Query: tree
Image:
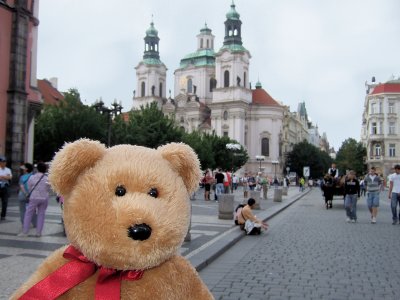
column 66, row 122
column 305, row 154
column 201, row 144
column 350, row 156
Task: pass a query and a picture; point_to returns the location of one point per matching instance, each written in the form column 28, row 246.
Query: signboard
column 306, row 171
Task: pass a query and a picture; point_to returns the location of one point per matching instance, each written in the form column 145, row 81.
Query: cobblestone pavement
column 312, row 253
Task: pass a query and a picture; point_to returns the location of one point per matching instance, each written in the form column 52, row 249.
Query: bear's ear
column 184, row 161
column 71, row 160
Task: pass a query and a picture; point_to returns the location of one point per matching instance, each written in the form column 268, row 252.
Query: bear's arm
column 50, row 264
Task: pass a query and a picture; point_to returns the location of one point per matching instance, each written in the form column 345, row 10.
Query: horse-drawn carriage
column 331, row 188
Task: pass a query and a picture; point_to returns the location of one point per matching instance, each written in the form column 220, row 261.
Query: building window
column 213, row 84
column 225, row 115
column 208, row 44
column 265, row 146
column 201, row 43
column 391, row 108
column 245, row 138
column 374, row 129
column 160, row 89
column 143, row 89
column 182, row 120
column 392, row 150
column 244, row 79
column 392, row 126
column 226, row 78
column 226, row 133
column 373, row 108
column 378, row 150
column 380, row 128
column 189, row 86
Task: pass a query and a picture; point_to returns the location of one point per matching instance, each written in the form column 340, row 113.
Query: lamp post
column 260, row 158
column 111, row 113
column 275, row 163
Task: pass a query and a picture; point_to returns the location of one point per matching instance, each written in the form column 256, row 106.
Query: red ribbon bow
column 77, row 270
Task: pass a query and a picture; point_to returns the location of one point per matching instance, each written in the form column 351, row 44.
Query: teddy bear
column 126, row 213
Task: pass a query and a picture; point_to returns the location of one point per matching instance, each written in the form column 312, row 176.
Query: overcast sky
column 317, row 51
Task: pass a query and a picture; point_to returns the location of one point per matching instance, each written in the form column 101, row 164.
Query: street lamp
column 275, row 163
column 115, row 110
column 260, row 158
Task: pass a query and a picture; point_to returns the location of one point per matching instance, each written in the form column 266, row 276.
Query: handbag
column 29, row 194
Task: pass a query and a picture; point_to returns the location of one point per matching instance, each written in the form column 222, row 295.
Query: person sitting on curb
column 248, row 221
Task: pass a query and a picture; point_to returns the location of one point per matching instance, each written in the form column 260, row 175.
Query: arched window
column 225, row 115
column 235, row 32
column 189, row 85
column 160, row 89
column 226, row 78
column 265, row 146
column 182, row 120
column 153, row 90
column 244, row 79
column 201, row 43
column 213, row 84
column 143, row 89
column 208, row 45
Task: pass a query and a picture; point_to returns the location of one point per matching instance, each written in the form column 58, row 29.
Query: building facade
column 19, row 97
column 380, row 132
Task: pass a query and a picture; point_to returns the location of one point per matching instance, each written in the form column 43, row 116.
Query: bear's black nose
column 139, row 232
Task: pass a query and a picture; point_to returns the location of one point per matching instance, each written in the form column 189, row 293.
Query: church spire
column 151, row 42
column 233, row 27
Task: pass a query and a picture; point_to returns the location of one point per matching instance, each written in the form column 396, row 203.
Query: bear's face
column 129, row 210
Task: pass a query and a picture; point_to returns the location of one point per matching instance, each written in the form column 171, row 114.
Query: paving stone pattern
column 312, row 253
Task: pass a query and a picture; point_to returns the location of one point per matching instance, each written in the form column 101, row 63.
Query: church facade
column 212, row 92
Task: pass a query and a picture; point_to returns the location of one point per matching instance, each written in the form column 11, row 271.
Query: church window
column 226, row 78
column 182, row 120
column 244, row 79
column 146, row 47
column 189, row 85
column 213, row 84
column 156, row 47
column 153, row 90
column 143, row 89
column 160, row 89
column 212, row 44
column 225, row 133
column 235, row 32
column 208, row 44
column 265, row 146
column 225, row 115
column 201, row 43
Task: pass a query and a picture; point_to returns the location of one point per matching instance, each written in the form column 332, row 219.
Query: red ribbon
column 77, row 270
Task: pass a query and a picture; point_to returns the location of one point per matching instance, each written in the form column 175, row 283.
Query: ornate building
column 19, row 97
column 380, row 132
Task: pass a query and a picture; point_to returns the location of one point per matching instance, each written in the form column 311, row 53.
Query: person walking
column 208, row 180
column 23, row 192
column 362, row 187
column 351, row 193
column 5, row 178
column 373, row 185
column 39, row 189
column 219, row 186
column 394, row 193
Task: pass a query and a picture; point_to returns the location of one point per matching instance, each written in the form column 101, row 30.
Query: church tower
column 151, row 73
column 232, row 95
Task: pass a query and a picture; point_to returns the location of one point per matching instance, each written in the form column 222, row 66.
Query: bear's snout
column 139, row 232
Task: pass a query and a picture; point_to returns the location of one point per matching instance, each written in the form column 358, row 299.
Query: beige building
column 380, row 132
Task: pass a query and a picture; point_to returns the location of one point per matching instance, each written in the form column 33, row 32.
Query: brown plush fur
column 97, row 220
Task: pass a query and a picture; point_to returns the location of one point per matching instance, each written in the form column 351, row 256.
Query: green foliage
column 66, row 122
column 304, row 154
column 350, row 156
column 201, row 144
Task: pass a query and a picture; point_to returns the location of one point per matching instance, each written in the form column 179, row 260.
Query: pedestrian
column 351, row 193
column 373, row 185
column 39, row 189
column 301, row 184
column 328, row 189
column 362, row 187
column 5, row 179
column 23, row 192
column 208, row 180
column 248, row 221
column 235, row 181
column 227, row 182
column 394, row 193
column 251, row 182
column 245, row 185
column 219, row 187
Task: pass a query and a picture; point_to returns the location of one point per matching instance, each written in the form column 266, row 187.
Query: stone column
column 225, row 206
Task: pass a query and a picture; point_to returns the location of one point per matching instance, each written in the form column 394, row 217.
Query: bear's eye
column 153, row 192
column 120, row 191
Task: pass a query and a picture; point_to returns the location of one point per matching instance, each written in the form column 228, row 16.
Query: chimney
column 54, row 82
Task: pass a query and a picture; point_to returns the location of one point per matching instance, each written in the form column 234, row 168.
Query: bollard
column 225, row 206
column 285, row 191
column 278, row 195
column 256, row 196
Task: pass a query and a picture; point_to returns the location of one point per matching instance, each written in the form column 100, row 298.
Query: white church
column 212, row 93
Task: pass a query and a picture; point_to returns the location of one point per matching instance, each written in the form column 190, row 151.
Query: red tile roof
column 260, row 96
column 50, row 95
column 386, row 88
